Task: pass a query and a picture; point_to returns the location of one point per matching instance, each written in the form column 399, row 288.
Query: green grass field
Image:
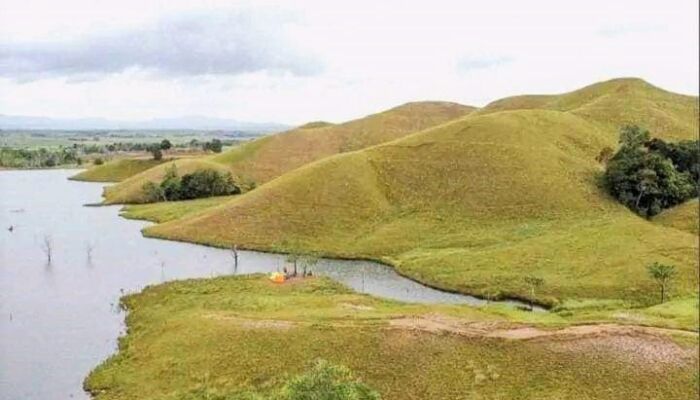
column 168, row 211
column 474, row 205
column 218, row 337
column 117, row 170
column 684, row 217
column 261, row 160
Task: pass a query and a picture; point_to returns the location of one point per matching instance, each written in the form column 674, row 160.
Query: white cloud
column 187, row 45
column 374, row 55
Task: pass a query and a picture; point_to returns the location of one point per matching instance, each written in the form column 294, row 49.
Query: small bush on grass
column 196, row 185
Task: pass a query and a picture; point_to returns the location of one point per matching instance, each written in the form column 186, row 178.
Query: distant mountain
column 187, row 122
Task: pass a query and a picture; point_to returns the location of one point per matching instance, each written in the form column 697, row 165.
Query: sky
column 298, row 61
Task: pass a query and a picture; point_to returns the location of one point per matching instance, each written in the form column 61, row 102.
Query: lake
column 59, row 320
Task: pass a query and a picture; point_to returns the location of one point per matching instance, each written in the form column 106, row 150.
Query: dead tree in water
column 47, row 247
column 234, row 254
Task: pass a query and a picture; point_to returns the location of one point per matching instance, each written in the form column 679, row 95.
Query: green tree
column 633, row 136
column 165, row 145
column 663, row 275
column 326, row 381
column 215, row 145
column 156, row 152
column 644, row 179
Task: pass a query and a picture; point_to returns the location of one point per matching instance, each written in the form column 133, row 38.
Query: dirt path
column 648, row 346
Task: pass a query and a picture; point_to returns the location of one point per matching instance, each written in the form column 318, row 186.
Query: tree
column 633, row 136
column 293, row 258
column 207, row 183
column 662, row 274
column 533, row 283
column 156, row 152
column 215, row 145
column 327, row 382
column 47, row 247
column 641, row 177
column 165, row 145
column 307, row 262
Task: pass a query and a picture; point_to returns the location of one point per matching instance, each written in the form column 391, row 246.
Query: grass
column 684, row 217
column 617, row 102
column 475, row 205
column 239, row 334
column 117, row 170
column 168, row 211
column 261, row 160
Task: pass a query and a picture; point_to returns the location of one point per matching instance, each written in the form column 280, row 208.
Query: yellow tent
column 277, row 277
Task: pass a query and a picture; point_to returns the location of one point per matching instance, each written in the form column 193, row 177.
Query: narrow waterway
column 58, row 320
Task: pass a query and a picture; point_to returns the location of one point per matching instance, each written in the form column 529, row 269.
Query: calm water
column 59, row 321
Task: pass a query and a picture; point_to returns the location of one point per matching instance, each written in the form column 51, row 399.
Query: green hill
column 475, row 205
column 116, row 170
column 617, row 102
column 258, row 161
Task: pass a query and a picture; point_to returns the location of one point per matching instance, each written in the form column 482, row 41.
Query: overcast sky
column 300, row 60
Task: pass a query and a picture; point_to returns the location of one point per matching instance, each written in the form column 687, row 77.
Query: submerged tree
column 662, row 274
column 47, row 247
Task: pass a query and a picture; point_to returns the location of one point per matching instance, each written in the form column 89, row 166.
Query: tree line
column 195, row 185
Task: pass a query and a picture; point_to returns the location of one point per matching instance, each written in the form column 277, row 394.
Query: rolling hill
column 266, row 158
column 617, row 102
column 478, row 204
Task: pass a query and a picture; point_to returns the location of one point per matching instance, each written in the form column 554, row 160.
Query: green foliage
column 685, row 155
column 646, row 180
column 38, row 158
column 327, row 382
column 156, row 152
column 215, row 146
column 195, row 185
column 98, row 161
column 165, row 144
column 662, row 274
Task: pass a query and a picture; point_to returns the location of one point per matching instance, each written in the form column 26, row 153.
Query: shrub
column 153, row 192
column 215, row 145
column 98, row 161
column 327, row 382
column 198, row 184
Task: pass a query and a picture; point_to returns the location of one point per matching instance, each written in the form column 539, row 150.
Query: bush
column 215, row 145
column 198, row 184
column 644, row 178
column 327, row 382
column 98, row 161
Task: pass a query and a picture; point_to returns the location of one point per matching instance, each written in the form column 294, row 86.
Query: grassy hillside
column 684, row 217
column 263, row 159
column 474, row 205
column 616, row 102
column 117, row 170
column 168, row 211
column 219, row 337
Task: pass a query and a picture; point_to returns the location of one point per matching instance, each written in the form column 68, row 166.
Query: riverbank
column 232, row 334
